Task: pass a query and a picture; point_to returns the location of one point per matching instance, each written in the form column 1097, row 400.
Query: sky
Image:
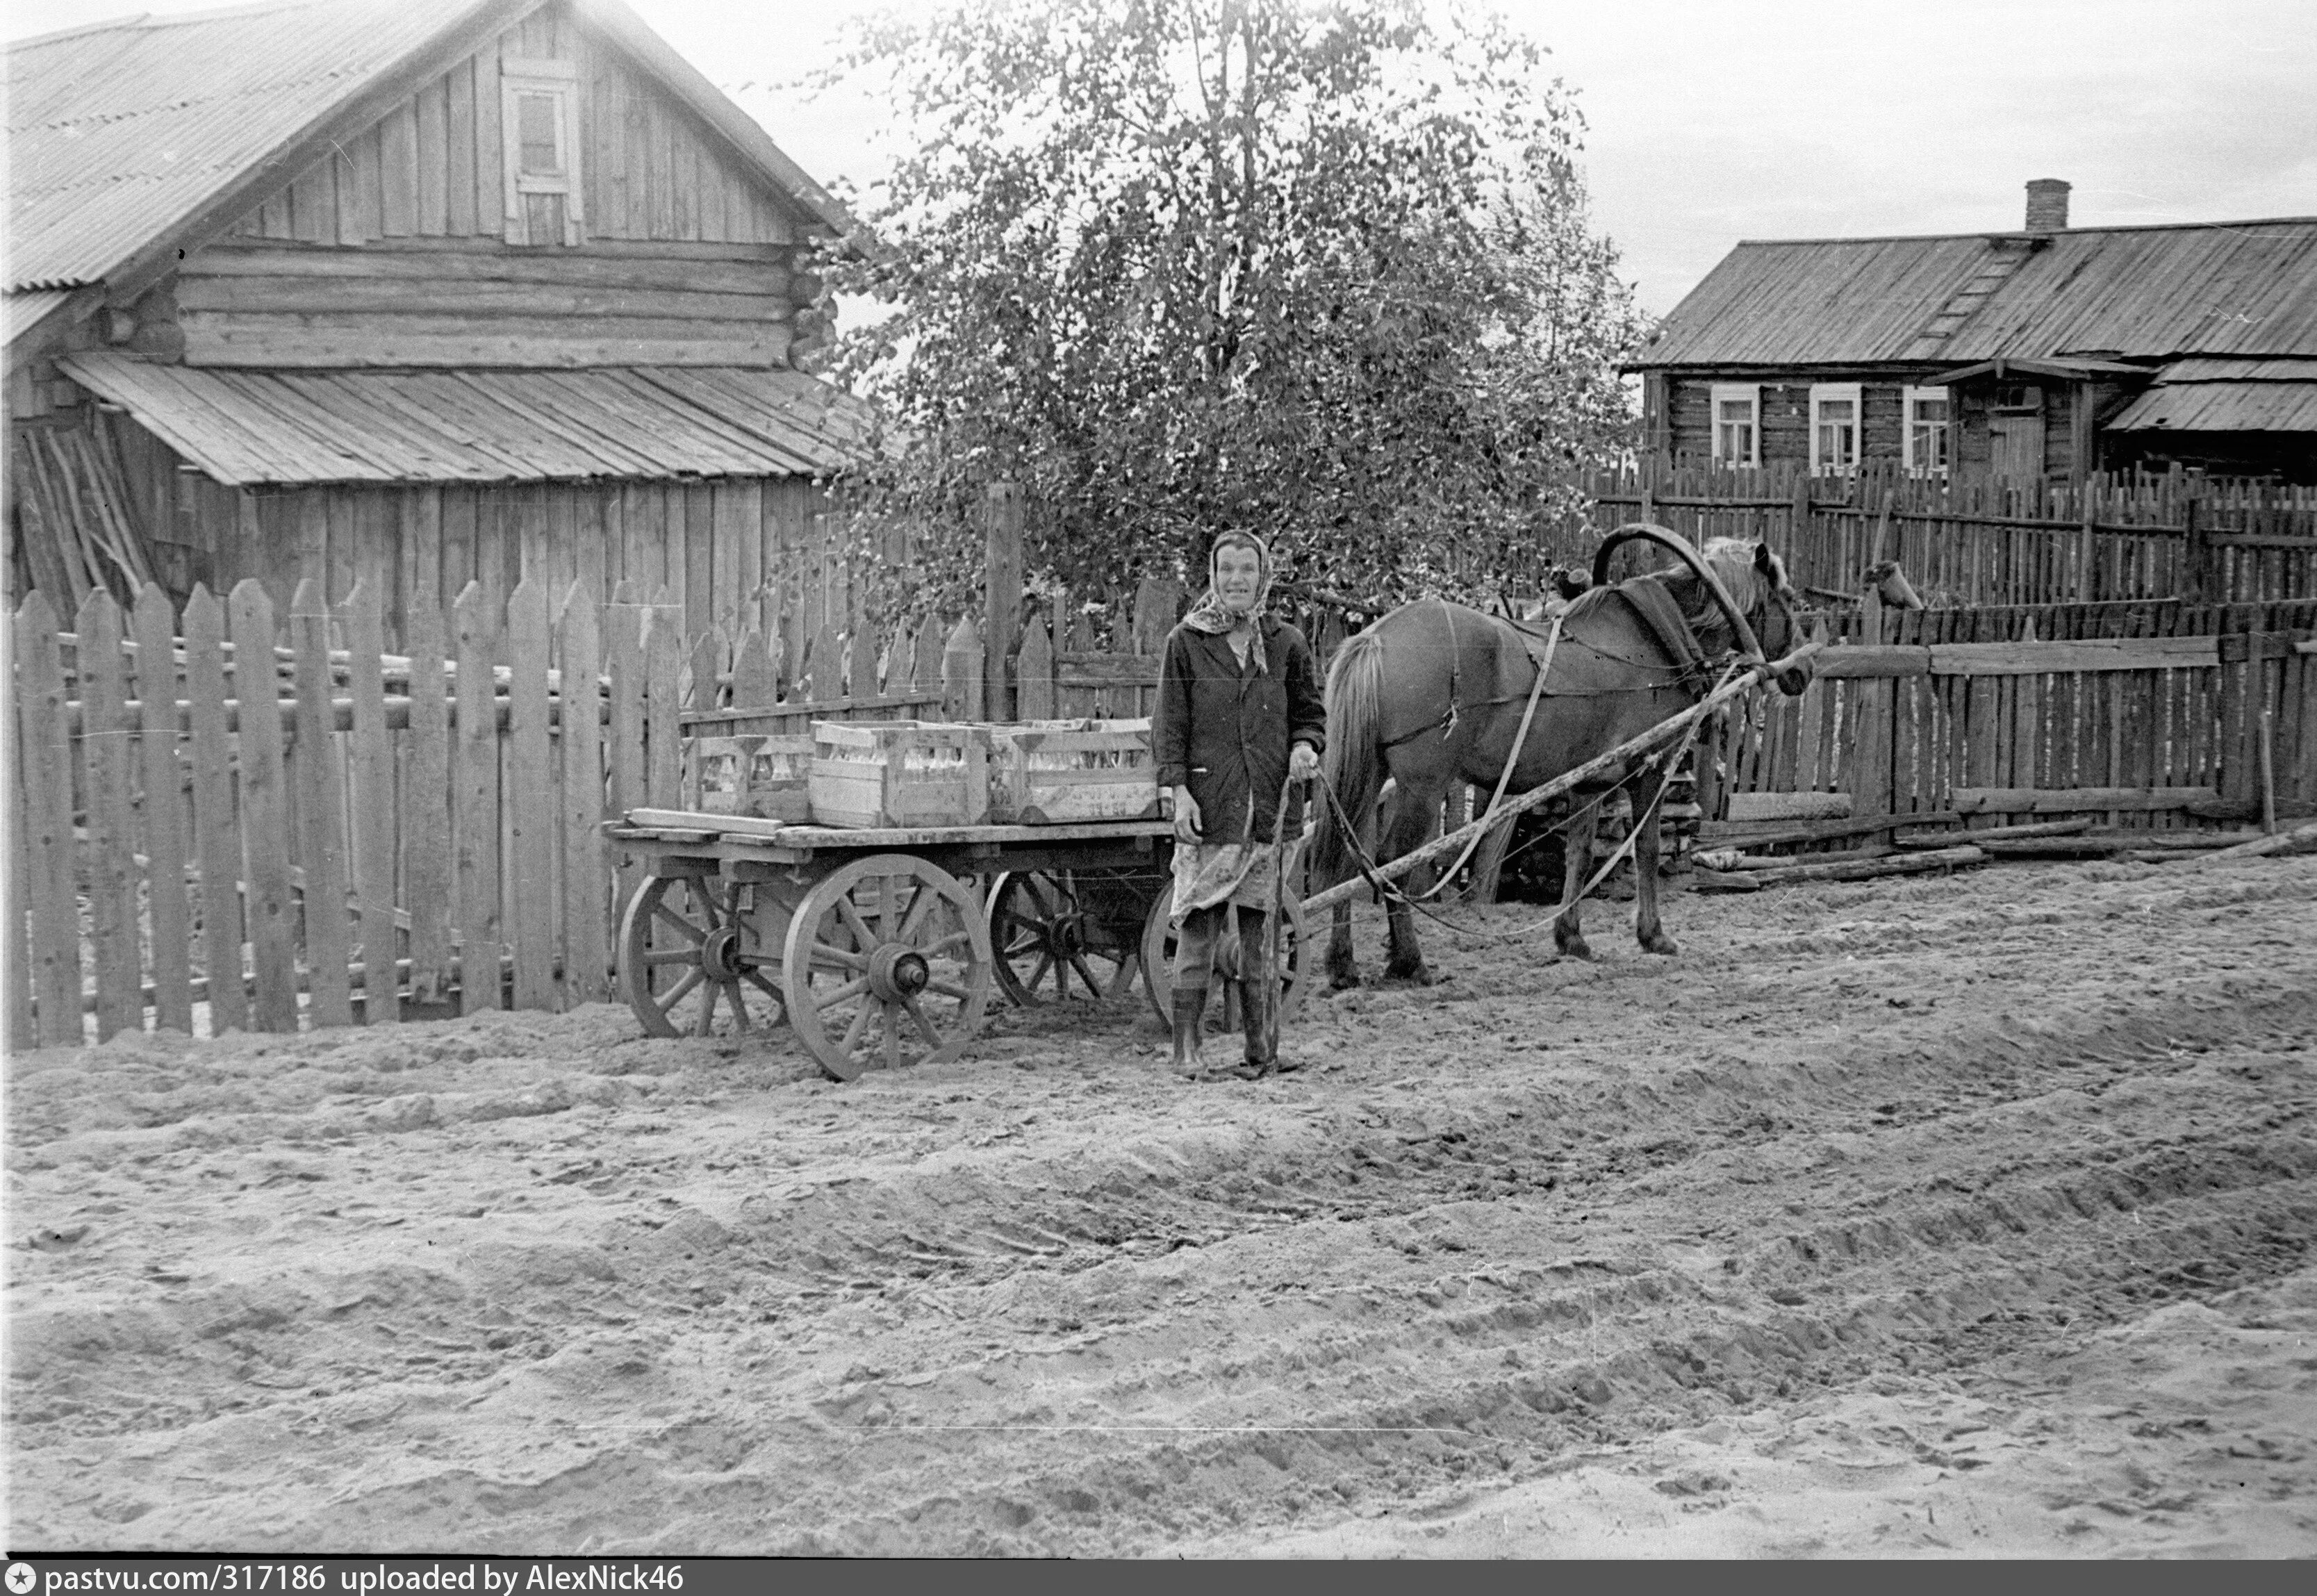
column 1713, row 121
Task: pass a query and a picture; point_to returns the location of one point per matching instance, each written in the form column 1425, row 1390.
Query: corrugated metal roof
column 246, row 427
column 20, row 311
column 2222, row 407
column 2246, row 288
column 118, row 131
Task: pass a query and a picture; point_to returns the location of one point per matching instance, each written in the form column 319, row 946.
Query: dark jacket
column 1224, row 733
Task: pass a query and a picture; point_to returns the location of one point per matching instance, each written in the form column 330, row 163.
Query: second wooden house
column 2037, row 356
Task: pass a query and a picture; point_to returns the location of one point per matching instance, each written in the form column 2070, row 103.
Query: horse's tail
column 1353, row 766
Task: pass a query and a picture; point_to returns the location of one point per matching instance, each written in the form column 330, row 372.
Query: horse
column 1435, row 693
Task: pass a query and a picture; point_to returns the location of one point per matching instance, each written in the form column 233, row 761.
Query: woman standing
column 1241, row 713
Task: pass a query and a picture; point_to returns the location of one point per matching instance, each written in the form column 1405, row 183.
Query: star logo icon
column 20, row 1579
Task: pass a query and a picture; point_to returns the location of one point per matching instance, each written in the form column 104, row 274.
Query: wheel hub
column 898, row 973
column 1066, row 936
column 719, row 952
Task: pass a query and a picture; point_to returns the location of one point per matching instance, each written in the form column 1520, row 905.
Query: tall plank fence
column 1974, row 542
column 2157, row 715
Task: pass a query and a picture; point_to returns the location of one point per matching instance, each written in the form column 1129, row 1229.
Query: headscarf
column 1212, row 616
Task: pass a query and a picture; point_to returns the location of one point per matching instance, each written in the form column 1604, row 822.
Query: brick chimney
column 2048, row 205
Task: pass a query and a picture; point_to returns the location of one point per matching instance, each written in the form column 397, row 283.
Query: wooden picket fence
column 2162, row 716
column 1970, row 542
column 168, row 852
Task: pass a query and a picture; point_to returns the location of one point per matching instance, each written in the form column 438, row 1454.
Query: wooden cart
column 881, row 947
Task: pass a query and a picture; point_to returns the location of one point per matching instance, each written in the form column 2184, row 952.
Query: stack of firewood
column 74, row 511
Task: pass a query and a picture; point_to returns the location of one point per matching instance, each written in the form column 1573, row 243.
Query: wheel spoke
column 1045, row 963
column 924, row 1027
column 949, row 989
column 1028, row 944
column 692, row 977
column 829, row 954
column 851, row 989
column 893, row 1040
column 707, row 1020
column 921, row 903
column 852, row 1032
column 660, row 910
column 1077, row 962
column 739, row 1003
column 946, row 943
column 762, row 985
column 672, row 955
column 862, row 937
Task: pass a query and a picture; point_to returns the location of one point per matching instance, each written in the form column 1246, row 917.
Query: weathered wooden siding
column 391, row 251
column 1785, row 412
column 734, row 553
column 476, row 302
column 432, row 166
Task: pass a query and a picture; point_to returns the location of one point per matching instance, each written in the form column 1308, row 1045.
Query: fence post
column 264, row 813
column 2196, row 559
column 961, row 674
column 106, row 731
column 372, row 803
column 1002, row 594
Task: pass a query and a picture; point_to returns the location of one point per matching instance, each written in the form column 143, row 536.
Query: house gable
column 651, row 169
column 686, row 229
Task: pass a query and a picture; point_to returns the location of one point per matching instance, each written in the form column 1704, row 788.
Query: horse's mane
column 1732, row 559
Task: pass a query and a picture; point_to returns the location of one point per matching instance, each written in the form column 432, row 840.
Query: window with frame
column 1836, row 422
column 539, row 128
column 1927, row 434
column 1736, row 423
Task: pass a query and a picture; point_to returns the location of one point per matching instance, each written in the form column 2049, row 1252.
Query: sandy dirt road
column 1934, row 1217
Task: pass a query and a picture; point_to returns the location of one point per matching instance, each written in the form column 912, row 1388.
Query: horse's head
column 1759, row 584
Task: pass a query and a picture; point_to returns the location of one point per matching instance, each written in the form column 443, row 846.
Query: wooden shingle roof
column 250, row 428
column 2245, row 289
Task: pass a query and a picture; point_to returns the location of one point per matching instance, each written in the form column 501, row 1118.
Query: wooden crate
column 900, row 773
column 758, row 774
column 1049, row 772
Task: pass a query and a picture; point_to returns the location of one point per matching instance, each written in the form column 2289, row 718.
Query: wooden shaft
column 1343, row 889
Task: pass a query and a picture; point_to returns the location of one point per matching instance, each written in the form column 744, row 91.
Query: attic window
column 539, row 121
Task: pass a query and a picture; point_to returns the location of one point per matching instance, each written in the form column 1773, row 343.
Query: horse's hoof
column 1413, row 974
column 1345, row 979
column 1574, row 947
column 1661, row 944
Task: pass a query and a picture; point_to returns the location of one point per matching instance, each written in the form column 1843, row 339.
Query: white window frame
column 1822, row 394
column 1748, row 394
column 559, row 80
column 1910, row 398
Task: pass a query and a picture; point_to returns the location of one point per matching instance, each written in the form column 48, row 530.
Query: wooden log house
column 2041, row 357
column 413, row 292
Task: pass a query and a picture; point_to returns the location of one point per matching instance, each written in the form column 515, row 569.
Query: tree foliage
column 1323, row 271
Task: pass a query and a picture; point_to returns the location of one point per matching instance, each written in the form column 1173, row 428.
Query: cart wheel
column 1158, row 963
column 1047, row 927
column 887, row 963
column 692, row 961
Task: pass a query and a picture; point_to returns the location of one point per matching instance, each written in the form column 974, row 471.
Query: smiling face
column 1238, row 577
